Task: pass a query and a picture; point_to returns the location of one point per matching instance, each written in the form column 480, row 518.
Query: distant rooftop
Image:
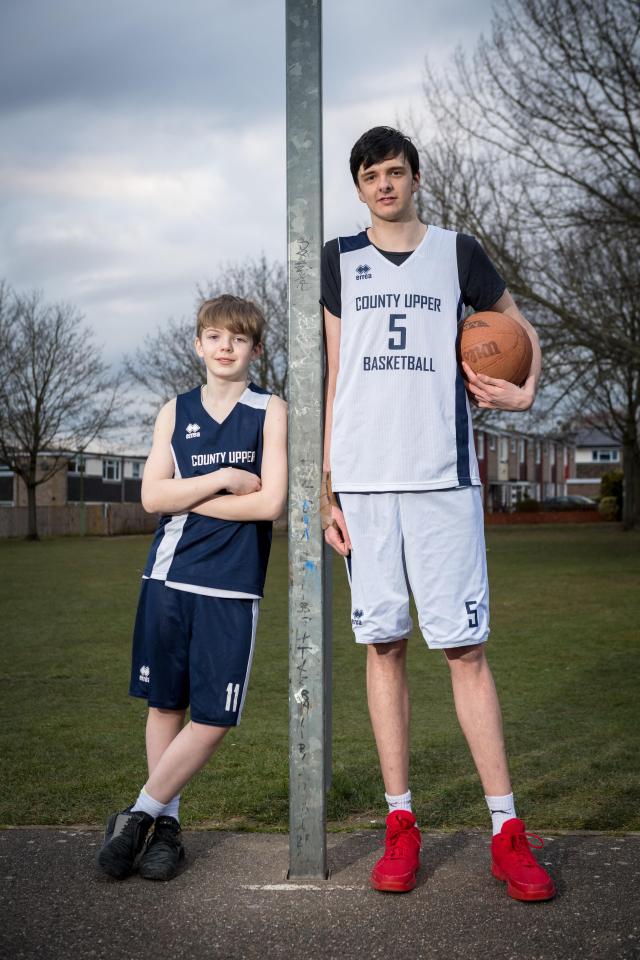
column 594, row 437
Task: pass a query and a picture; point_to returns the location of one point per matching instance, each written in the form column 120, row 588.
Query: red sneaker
column 396, row 870
column 513, row 862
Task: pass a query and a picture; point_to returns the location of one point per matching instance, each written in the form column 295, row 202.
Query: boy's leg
column 163, row 726
column 380, row 618
column 222, row 639
column 479, row 715
column 201, row 652
column 388, row 699
column 446, row 562
column 478, row 711
column 169, row 624
column 185, row 756
column 157, row 625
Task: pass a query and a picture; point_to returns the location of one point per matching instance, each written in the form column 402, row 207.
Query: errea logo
column 363, row 272
column 356, row 618
column 145, row 673
column 193, row 430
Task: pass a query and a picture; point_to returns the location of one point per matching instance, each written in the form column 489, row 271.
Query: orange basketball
column 495, row 344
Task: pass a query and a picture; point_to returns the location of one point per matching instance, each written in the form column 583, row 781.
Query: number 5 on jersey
column 396, row 328
column 233, row 691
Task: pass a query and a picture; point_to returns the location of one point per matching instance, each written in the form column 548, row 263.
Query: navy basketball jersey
column 202, row 554
column 401, row 418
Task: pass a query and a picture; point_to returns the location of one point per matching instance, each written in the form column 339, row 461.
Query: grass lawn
column 564, row 651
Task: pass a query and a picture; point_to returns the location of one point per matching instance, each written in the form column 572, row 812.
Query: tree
column 167, row 363
column 535, row 149
column 56, row 395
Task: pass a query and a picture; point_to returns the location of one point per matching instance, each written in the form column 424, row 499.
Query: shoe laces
column 163, row 833
column 521, row 847
column 133, row 820
column 399, row 843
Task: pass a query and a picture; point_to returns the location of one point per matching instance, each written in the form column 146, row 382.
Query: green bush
column 528, row 505
column 611, row 485
column 608, row 508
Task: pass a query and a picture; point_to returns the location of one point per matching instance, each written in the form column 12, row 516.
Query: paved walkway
column 232, row 901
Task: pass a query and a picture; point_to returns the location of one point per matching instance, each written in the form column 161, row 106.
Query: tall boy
column 217, row 472
column 399, row 445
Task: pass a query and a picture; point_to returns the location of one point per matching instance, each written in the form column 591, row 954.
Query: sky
column 143, row 142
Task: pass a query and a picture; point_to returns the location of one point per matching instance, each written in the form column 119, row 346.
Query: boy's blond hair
column 231, row 313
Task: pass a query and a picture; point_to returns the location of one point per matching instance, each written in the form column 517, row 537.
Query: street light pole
column 308, row 644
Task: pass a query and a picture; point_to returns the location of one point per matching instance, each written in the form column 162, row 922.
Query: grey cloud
column 221, row 55
column 143, row 142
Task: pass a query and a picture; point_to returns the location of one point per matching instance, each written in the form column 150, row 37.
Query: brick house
column 514, row 466
column 89, row 477
column 596, row 453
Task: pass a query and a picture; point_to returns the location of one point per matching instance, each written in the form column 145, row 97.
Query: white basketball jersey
column 401, row 418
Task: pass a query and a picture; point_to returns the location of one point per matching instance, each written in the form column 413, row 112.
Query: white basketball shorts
column 430, row 542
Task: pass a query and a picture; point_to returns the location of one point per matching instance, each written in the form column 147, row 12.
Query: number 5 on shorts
column 472, row 610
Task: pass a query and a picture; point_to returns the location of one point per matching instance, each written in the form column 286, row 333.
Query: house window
column 480, row 444
column 552, row 454
column 492, row 442
column 513, row 444
column 110, row 469
column 538, row 453
column 136, row 469
column 504, row 449
column 605, row 456
column 76, row 466
column 523, row 451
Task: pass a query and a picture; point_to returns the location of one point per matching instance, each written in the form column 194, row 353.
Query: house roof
column 594, row 437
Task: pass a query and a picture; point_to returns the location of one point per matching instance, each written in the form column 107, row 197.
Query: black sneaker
column 123, row 840
column 164, row 851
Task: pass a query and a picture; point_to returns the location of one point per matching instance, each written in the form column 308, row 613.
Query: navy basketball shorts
column 195, row 651
column 430, row 543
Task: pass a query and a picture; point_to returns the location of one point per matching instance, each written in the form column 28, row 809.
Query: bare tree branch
column 533, row 147
column 56, row 393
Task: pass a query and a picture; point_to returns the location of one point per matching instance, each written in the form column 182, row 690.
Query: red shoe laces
column 398, row 843
column 522, row 847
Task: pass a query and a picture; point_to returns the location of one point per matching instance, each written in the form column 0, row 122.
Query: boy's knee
column 387, row 655
column 206, row 734
column 465, row 658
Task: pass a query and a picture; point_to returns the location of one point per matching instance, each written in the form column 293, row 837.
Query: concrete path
column 232, row 901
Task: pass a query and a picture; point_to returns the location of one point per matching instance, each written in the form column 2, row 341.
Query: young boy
column 217, row 472
column 399, row 445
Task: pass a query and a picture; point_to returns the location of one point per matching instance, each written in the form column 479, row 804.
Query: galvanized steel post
column 307, row 652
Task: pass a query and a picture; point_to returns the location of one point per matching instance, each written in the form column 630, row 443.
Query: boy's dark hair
column 382, row 143
column 231, row 313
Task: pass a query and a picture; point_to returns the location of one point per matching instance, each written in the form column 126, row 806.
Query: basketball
column 495, row 344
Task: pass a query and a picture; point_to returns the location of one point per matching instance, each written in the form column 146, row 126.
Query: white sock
column 401, row 801
column 501, row 810
column 146, row 802
column 172, row 809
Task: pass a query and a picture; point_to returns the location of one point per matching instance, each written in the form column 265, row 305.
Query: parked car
column 572, row 502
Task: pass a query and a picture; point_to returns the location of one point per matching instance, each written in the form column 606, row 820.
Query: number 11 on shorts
column 233, row 691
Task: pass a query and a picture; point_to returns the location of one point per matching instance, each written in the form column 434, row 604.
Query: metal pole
column 83, row 507
column 307, row 656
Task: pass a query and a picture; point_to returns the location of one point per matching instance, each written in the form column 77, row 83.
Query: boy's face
column 226, row 354
column 387, row 188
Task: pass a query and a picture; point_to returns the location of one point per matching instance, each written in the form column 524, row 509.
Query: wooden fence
column 96, row 520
